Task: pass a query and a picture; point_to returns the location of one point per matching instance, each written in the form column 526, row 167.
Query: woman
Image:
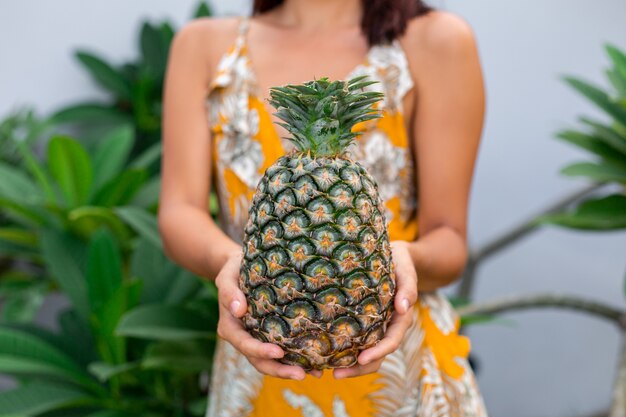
column 422, row 150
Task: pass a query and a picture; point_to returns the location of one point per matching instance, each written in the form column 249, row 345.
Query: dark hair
column 383, row 20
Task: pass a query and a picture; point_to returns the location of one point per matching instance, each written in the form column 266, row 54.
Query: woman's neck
column 314, row 15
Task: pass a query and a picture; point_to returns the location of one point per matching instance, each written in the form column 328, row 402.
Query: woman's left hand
column 406, row 296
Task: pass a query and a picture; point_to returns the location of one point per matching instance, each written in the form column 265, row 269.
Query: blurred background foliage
column 78, row 202
column 78, row 217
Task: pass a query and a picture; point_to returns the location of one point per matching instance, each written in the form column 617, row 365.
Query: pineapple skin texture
column 317, row 269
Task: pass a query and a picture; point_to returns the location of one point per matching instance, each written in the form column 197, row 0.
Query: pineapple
column 317, row 269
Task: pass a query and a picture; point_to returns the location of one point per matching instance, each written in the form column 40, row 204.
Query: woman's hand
column 233, row 306
column 406, row 296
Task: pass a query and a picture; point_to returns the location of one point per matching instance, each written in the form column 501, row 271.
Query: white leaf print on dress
column 309, row 408
column 400, row 371
column 441, row 311
column 234, row 384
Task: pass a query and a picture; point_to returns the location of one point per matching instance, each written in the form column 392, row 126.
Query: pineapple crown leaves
column 320, row 114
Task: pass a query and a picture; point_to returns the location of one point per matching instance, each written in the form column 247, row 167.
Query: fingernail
column 295, row 376
column 406, row 305
column 234, row 306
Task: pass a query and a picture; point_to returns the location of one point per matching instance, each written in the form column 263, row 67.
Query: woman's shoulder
column 212, row 35
column 437, row 34
column 443, row 39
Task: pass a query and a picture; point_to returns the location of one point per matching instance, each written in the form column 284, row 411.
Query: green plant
column 606, row 141
column 135, row 89
column 73, row 190
column 134, row 343
column 20, row 126
column 73, row 193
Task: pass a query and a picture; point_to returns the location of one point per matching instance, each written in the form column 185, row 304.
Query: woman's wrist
column 414, row 248
column 418, row 252
column 215, row 261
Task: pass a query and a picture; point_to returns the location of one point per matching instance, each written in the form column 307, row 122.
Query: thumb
column 229, row 294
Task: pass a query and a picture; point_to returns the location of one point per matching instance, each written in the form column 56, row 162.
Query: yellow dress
column 429, row 375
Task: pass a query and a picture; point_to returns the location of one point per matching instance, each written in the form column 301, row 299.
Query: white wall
column 548, row 363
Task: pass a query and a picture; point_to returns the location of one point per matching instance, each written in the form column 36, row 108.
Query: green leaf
column 184, row 286
column 619, row 72
column 18, row 187
column 23, row 352
column 159, row 322
column 186, row 356
column 28, row 215
column 86, row 219
column 153, row 49
column 64, row 269
column 148, row 195
column 36, row 170
column 105, row 371
column 214, row 205
column 596, row 171
column 203, row 10
column 147, row 157
column 22, row 305
column 104, row 74
column 617, row 80
column 104, row 269
column 111, row 154
column 593, row 145
column 144, row 223
column 165, row 282
column 608, row 135
column 90, row 113
column 472, row 319
column 17, row 366
column 22, row 295
column 121, row 189
column 145, row 92
column 71, row 167
column 606, row 213
column 18, row 236
column 600, row 98
column 111, row 413
column 112, row 347
column 150, row 265
column 73, row 327
column 168, row 33
column 39, row 397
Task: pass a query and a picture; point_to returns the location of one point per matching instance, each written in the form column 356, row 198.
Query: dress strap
column 244, row 26
column 228, row 70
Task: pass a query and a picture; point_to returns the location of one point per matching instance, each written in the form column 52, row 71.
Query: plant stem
column 504, row 304
column 513, row 234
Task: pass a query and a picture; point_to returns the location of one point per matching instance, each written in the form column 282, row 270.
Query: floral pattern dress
column 429, row 375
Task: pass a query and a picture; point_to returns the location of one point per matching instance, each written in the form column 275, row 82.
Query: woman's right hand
column 232, row 307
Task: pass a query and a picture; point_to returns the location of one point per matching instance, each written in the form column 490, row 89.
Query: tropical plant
column 606, row 141
column 73, row 193
column 135, row 89
column 21, row 125
column 135, row 341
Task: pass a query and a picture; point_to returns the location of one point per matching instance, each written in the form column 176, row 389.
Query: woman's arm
column 190, row 236
column 447, row 126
